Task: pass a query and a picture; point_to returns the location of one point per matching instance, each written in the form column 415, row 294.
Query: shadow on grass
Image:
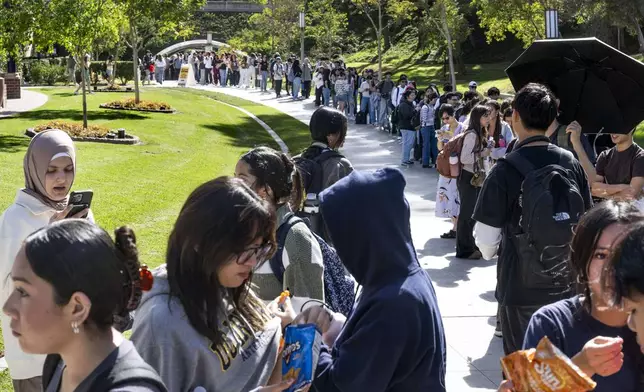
column 77, row 115
column 248, row 134
column 13, row 144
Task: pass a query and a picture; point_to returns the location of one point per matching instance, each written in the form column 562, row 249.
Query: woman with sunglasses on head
column 589, row 328
column 72, row 283
column 274, row 177
column 202, row 325
column 448, row 202
column 498, row 130
column 50, row 168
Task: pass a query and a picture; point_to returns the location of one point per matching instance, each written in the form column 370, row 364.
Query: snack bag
column 545, row 369
column 300, row 355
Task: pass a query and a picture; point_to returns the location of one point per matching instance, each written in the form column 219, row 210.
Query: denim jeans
column 430, row 148
column 366, row 107
column 374, row 105
column 408, row 140
column 326, row 94
column 297, row 82
column 383, row 111
column 264, row 80
column 222, row 77
column 158, row 74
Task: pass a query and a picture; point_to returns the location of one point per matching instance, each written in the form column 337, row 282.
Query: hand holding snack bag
column 602, row 356
column 545, row 369
column 300, row 355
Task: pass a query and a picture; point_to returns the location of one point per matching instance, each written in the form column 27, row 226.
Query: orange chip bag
column 545, row 369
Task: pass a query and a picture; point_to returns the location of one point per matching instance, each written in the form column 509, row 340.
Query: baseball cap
column 473, row 84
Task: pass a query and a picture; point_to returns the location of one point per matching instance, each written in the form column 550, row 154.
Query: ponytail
column 125, row 242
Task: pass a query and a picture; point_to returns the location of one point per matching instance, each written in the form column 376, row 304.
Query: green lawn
column 144, row 186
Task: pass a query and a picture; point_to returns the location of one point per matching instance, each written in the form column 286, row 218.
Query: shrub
column 131, row 104
column 42, row 72
column 74, row 129
column 124, row 71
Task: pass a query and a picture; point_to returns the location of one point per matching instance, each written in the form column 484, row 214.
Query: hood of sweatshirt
column 367, row 216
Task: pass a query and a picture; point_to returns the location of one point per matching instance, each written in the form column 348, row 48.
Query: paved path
column 29, row 100
column 465, row 288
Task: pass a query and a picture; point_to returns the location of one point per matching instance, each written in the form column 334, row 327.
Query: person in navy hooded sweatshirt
column 393, row 340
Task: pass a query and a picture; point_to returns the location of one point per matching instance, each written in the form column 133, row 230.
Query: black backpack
column 551, row 205
column 339, row 287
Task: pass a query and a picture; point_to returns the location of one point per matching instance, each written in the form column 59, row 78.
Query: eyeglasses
column 260, row 253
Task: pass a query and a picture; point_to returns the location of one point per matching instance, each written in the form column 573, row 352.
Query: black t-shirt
column 263, row 65
column 498, row 206
column 619, row 167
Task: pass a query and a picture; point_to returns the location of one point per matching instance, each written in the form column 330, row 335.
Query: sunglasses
column 260, row 253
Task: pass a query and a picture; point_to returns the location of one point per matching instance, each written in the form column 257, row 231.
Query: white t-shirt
column 208, row 61
column 364, row 89
column 278, row 71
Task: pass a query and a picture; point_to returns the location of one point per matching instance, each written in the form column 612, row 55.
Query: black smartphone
column 79, row 201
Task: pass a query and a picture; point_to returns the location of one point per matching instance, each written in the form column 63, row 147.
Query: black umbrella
column 599, row 86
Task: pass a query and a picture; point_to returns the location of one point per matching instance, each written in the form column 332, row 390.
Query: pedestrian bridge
column 233, row 6
column 198, row 44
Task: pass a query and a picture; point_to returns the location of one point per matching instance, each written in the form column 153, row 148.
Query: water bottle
column 454, row 166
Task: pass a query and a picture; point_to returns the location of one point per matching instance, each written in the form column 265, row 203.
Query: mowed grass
column 144, row 186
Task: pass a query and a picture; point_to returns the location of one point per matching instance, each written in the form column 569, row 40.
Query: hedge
column 51, row 71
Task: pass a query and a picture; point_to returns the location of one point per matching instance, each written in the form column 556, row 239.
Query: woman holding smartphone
column 49, row 167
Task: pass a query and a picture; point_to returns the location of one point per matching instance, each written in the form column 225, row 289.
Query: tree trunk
column 84, row 81
column 379, row 35
column 386, row 34
column 450, row 54
column 640, row 36
column 135, row 64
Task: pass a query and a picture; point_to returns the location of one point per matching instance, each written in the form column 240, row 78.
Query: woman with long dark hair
column 202, row 324
column 406, row 113
column 575, row 325
column 72, row 284
column 475, row 148
column 274, row 177
column 498, row 130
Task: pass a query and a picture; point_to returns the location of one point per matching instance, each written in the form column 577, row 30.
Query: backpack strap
column 519, row 162
column 277, row 266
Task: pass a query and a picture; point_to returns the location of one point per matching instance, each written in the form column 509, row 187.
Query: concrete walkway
column 465, row 288
column 29, row 100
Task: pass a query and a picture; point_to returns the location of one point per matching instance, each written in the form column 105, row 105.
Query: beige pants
column 28, row 385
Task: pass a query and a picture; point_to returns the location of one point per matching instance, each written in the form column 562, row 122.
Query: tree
column 78, row 25
column 18, row 27
column 443, row 16
column 326, row 26
column 367, row 7
column 523, row 18
column 147, row 19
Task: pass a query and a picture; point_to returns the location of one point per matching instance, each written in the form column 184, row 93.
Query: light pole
column 302, row 24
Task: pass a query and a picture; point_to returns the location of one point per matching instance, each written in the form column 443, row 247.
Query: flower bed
column 93, row 133
column 115, row 89
column 143, row 106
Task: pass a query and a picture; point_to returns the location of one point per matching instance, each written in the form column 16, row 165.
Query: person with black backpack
column 530, row 202
column 299, row 269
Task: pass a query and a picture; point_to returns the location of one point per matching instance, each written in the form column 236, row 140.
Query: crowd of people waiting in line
column 209, row 317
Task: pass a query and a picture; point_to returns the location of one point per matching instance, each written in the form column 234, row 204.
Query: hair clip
column 146, row 278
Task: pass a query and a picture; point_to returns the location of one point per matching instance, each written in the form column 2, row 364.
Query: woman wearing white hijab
column 50, row 167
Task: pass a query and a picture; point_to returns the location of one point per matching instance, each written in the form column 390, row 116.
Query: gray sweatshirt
column 184, row 359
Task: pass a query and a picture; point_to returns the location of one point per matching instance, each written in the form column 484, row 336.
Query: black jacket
column 406, row 113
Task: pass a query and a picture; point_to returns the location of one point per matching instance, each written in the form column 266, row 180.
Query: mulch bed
column 103, row 106
column 128, row 140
